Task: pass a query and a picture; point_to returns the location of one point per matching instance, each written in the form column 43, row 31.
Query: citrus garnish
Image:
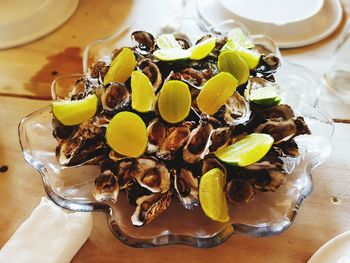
column 172, row 54
column 203, row 49
column 231, row 62
column 142, row 93
column 126, row 134
column 251, row 57
column 167, row 41
column 247, row 151
column 215, row 92
column 212, row 196
column 76, row 111
column 267, row 96
column 174, row 102
column 237, row 39
column 121, row 67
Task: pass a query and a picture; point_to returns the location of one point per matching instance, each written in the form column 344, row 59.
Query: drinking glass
column 337, row 75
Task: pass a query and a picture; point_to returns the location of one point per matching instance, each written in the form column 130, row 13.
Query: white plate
column 309, row 27
column 280, row 12
column 336, row 250
column 23, row 21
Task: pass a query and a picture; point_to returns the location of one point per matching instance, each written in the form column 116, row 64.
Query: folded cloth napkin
column 50, row 235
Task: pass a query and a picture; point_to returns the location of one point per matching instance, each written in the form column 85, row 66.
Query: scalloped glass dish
column 270, row 213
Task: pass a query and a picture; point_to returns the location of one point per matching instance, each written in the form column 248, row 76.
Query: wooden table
column 26, row 73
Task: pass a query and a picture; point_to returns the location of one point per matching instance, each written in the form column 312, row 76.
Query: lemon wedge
column 212, row 196
column 76, row 111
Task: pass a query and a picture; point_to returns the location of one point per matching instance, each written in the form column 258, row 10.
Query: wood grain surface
column 26, row 73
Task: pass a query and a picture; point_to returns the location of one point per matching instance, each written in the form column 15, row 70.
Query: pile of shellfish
column 177, row 155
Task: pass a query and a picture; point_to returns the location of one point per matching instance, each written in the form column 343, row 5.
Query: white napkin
column 49, row 235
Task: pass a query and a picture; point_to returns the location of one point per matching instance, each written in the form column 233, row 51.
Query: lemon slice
column 142, row 93
column 215, row 92
column 76, row 111
column 231, row 62
column 167, row 41
column 172, row 54
column 126, row 134
column 246, row 151
column 174, row 102
column 212, row 196
column 121, row 68
column 202, row 49
column 267, row 96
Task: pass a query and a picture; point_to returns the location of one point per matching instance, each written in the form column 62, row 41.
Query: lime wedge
column 167, row 41
column 237, row 39
column 202, row 49
column 174, row 102
column 231, row 62
column 142, row 93
column 126, row 134
column 215, row 92
column 246, row 151
column 121, row 68
column 172, row 54
column 251, row 57
column 76, row 111
column 267, row 96
column 212, row 196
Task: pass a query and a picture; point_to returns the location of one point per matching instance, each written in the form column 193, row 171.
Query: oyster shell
column 62, row 132
column 281, row 112
column 186, row 186
column 183, row 40
column 156, row 132
column 145, row 42
column 199, row 141
column 237, row 110
column 240, row 191
column 166, row 141
column 266, row 176
column 268, row 64
column 79, row 151
column 210, row 162
column 115, row 97
column 220, row 138
column 152, row 71
column 284, row 130
column 93, row 127
column 149, row 207
column 289, row 148
column 125, row 168
column 151, row 174
column 175, row 139
column 99, row 70
column 194, row 77
column 106, row 187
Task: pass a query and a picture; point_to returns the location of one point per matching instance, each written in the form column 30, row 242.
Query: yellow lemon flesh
column 203, row 49
column 121, row 68
column 215, row 92
column 246, row 151
column 174, row 102
column 76, row 111
column 212, row 196
column 142, row 93
column 126, row 134
column 231, row 62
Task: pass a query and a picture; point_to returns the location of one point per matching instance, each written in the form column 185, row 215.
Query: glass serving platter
column 270, row 213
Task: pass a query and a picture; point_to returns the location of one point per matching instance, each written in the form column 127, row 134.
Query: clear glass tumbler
column 337, row 74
